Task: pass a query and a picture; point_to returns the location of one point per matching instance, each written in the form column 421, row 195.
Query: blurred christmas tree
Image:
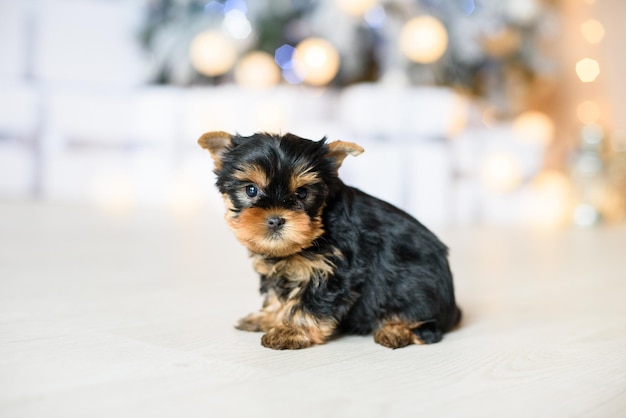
column 494, row 49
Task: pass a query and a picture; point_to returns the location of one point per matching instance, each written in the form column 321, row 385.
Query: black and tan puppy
column 332, row 259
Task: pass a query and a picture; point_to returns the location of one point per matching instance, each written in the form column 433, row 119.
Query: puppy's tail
column 459, row 316
column 457, row 319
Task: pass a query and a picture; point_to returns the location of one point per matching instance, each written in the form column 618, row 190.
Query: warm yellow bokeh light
column 588, row 112
column 535, row 127
column 587, row 70
column 551, row 199
column 257, row 70
column 423, row 39
column 316, row 61
column 356, row 7
column 593, row 31
column 501, row 172
column 212, row 54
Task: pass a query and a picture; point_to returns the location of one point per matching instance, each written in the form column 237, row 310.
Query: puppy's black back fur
column 392, row 267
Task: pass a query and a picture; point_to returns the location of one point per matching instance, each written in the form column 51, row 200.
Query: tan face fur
column 287, row 187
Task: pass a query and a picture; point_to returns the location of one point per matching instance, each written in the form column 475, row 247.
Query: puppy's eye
column 252, row 190
column 301, row 193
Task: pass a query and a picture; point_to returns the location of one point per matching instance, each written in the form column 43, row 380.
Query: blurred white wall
column 78, row 122
column 68, row 41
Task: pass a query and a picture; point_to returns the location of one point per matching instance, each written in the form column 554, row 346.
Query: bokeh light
column 283, row 56
column 522, row 11
column 237, row 24
column 423, row 39
column 316, row 61
column 501, row 172
column 593, row 31
column 257, row 70
column 551, row 200
column 588, row 112
column 212, row 54
column 534, row 127
column 356, row 7
column 376, row 17
column 587, row 70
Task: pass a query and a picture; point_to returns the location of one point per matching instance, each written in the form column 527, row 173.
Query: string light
column 423, row 39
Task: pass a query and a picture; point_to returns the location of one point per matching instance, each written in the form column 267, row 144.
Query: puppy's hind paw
column 395, row 335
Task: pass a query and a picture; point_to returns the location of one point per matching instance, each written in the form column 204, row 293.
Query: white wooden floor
column 132, row 317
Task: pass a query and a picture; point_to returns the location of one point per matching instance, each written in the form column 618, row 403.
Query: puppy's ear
column 339, row 150
column 216, row 143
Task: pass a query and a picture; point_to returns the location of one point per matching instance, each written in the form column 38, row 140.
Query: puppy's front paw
column 286, row 338
column 255, row 322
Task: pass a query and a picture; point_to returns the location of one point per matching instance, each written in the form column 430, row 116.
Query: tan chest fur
column 297, row 269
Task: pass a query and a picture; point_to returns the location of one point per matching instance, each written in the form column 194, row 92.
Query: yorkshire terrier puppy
column 332, row 259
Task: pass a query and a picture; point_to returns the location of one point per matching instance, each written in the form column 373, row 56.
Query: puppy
column 331, row 258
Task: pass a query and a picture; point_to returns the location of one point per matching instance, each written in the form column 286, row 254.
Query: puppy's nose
column 275, row 223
